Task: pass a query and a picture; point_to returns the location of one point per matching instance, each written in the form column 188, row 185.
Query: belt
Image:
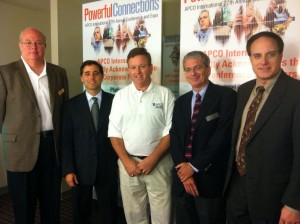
column 140, row 157
column 46, row 134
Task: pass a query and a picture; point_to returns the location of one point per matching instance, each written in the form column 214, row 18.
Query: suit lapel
column 104, row 109
column 25, row 80
column 243, row 97
column 273, row 101
column 209, row 97
column 84, row 111
column 186, row 113
column 51, row 81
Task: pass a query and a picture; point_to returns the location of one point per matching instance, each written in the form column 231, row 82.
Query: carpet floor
column 7, row 217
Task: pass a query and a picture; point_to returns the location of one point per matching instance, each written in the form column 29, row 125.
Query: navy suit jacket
column 273, row 150
column 211, row 141
column 85, row 152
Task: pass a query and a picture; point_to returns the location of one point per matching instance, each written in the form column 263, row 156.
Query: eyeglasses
column 132, row 68
column 31, row 43
column 196, row 68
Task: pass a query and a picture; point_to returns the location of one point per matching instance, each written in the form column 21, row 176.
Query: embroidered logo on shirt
column 158, row 105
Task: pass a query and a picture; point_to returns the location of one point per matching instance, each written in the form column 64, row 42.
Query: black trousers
column 42, row 184
column 237, row 204
column 198, row 210
column 107, row 196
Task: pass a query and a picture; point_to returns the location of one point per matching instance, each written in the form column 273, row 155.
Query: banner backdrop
column 111, row 28
column 171, row 63
column 222, row 28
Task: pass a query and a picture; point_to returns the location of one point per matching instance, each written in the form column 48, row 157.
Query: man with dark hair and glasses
column 32, row 93
column 200, row 144
column 139, row 126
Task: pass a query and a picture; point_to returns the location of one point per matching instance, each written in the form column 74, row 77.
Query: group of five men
column 212, row 154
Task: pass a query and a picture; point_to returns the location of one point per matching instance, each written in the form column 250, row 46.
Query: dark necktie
column 249, row 123
column 188, row 147
column 95, row 112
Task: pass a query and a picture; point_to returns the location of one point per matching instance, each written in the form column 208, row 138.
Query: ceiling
column 40, row 5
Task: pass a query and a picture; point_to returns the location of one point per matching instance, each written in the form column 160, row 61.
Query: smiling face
column 140, row 71
column 92, row 79
column 196, row 73
column 32, row 46
column 265, row 59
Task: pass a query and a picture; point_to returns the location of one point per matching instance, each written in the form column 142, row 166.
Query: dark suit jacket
column 20, row 118
column 84, row 152
column 211, row 141
column 273, row 150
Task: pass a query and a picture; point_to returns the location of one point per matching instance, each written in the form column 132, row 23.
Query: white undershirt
column 40, row 86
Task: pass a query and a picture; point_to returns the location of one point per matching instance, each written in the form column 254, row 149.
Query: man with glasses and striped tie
column 200, row 144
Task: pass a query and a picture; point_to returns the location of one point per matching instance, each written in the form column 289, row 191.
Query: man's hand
column 131, row 167
column 184, row 171
column 190, row 187
column 289, row 215
column 71, row 179
column 147, row 164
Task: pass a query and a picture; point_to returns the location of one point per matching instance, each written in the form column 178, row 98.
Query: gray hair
column 197, row 55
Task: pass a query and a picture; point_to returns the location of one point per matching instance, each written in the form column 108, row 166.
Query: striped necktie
column 189, row 145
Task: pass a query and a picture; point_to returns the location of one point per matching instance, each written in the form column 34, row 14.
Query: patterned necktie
column 249, row 123
column 188, row 147
column 95, row 112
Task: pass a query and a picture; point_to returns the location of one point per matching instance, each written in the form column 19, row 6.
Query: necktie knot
column 260, row 89
column 95, row 99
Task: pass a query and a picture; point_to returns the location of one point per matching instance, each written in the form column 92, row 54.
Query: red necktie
column 188, row 147
column 249, row 123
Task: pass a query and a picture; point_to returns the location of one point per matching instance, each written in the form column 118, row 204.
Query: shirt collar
column 29, row 70
column 202, row 92
column 89, row 96
column 149, row 89
column 269, row 85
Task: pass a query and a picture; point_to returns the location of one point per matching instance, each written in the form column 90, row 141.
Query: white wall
column 12, row 20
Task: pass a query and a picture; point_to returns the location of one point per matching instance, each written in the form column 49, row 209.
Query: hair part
column 139, row 51
column 91, row 62
column 197, row 55
column 267, row 34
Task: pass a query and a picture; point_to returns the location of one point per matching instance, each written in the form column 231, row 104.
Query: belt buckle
column 47, row 134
